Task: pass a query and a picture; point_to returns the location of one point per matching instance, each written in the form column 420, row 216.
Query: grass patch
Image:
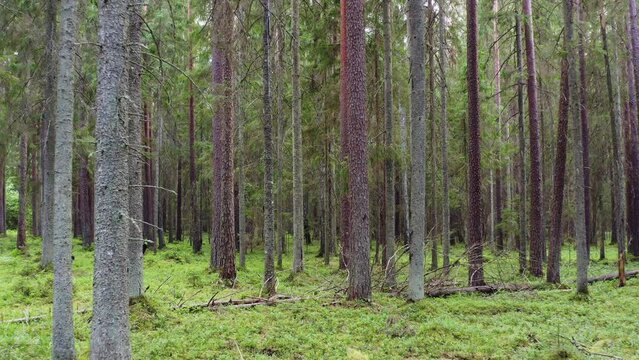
column 525, row 325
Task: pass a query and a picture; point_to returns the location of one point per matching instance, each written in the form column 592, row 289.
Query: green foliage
column 526, row 325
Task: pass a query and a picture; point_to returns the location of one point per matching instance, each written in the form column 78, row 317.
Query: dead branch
column 242, row 303
column 485, row 289
column 615, row 276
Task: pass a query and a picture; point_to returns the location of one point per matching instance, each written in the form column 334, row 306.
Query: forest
column 325, row 179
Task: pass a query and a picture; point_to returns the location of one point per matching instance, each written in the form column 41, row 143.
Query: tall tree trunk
column 35, row 194
column 559, row 178
column 298, row 190
column 475, row 247
column 536, row 203
column 136, row 117
column 418, row 151
column 110, row 323
column 178, row 202
column 499, row 244
column 223, row 123
column 345, row 226
column 618, row 185
column 269, row 207
column 521, row 243
column 3, row 189
column 159, row 228
column 634, row 40
column 443, row 60
column 195, row 235
column 47, row 134
column 404, row 146
column 241, row 198
column 583, row 113
column 85, row 189
column 431, row 119
column 580, row 225
column 632, row 156
column 281, row 122
column 21, row 238
column 63, row 336
column 359, row 286
column 389, row 262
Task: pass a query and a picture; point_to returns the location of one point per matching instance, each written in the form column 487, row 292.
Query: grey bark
column 431, row 120
column 47, row 134
column 63, row 338
column 521, row 246
column 136, row 117
column 110, row 322
column 444, row 127
column 298, row 190
column 418, row 142
column 389, row 263
column 405, row 190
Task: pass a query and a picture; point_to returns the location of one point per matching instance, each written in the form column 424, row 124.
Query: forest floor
column 547, row 323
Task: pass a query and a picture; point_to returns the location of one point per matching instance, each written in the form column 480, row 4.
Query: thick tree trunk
column 136, row 241
column 634, row 40
column 21, row 238
column 443, row 60
column 632, row 156
column 536, row 203
column 298, row 190
column 359, row 286
column 63, row 336
column 110, row 323
column 223, row 124
column 521, row 241
column 580, row 223
column 475, row 247
column 47, row 134
column 559, row 178
column 389, row 241
column 418, row 151
column 345, row 225
column 241, row 198
column 269, row 207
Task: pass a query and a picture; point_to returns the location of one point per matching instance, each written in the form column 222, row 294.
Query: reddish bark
column 345, row 226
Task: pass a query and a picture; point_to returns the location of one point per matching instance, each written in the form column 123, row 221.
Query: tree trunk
column 298, row 190
column 432, row 122
column 389, row 241
column 21, row 238
column 178, row 203
column 443, row 59
column 136, row 117
column 559, row 178
column 634, row 40
column 47, row 134
column 583, row 114
column 3, row 189
column 63, row 336
column 110, row 323
column 580, row 224
column 159, row 228
column 475, row 247
column 359, row 286
column 536, row 204
column 499, row 243
column 195, row 235
column 223, row 123
column 345, row 226
column 269, row 207
column 521, row 243
column 418, row 151
column 35, row 194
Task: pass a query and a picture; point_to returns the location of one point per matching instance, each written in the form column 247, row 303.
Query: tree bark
column 634, row 40
column 499, row 243
column 110, row 323
column 521, row 241
column 269, row 207
column 3, row 189
column 475, row 247
column 431, row 119
column 359, row 286
column 345, row 225
column 47, row 134
column 443, row 59
column 418, row 151
column 223, row 124
column 195, row 235
column 21, row 238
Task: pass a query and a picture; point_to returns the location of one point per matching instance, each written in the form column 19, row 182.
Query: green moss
column 526, row 325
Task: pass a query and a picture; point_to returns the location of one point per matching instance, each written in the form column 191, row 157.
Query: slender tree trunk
column 618, row 185
column 418, row 151
column 404, row 146
column 269, row 207
column 136, row 117
column 499, row 244
column 85, row 190
column 178, row 202
column 298, row 190
column 47, row 134
column 431, row 119
column 110, row 322
column 536, row 204
column 35, row 194
column 475, row 247
column 359, row 286
column 3, row 189
column 281, row 122
column 583, row 113
column 389, row 262
column 521, row 246
column 159, row 229
column 559, row 178
column 21, row 239
column 580, row 225
column 63, row 336
column 241, row 199
column 345, row 226
column 223, row 123
column 195, row 235
column 443, row 60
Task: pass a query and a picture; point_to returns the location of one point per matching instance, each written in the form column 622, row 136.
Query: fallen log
column 27, row 319
column 615, row 276
column 483, row 289
column 242, row 303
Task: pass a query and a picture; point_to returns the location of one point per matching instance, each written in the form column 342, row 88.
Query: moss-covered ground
column 539, row 324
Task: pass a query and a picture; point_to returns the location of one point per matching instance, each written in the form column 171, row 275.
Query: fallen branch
column 243, row 303
column 615, row 276
column 484, row 289
column 584, row 349
column 27, row 319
